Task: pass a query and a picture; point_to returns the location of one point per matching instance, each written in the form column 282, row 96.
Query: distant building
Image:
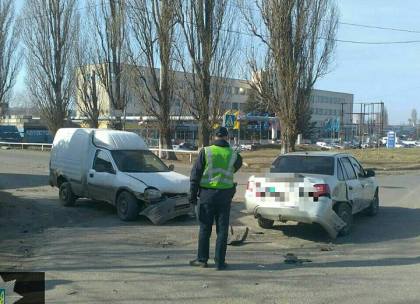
column 325, row 105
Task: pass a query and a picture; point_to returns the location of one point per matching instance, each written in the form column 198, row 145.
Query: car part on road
column 237, row 237
column 291, row 258
column 66, row 195
column 373, row 209
column 344, row 212
column 127, row 206
column 265, row 223
column 167, row 209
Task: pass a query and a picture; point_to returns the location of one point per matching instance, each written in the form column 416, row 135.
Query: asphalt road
column 89, row 256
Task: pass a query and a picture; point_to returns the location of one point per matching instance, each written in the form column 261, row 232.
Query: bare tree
column 50, row 35
column 152, row 54
column 207, row 59
column 87, row 100
column 299, row 36
column 109, row 20
column 10, row 53
column 21, row 104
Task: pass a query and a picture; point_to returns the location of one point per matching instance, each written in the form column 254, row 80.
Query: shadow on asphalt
column 263, row 267
column 391, row 223
column 19, row 181
column 346, row 263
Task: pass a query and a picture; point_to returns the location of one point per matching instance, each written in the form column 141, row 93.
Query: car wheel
column 373, row 209
column 265, row 223
column 66, row 195
column 127, row 206
column 344, row 212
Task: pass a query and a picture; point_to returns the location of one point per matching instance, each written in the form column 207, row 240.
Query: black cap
column 222, row 132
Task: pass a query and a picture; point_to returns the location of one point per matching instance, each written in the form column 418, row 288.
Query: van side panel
column 68, row 156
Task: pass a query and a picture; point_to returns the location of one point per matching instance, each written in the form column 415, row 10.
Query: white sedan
column 313, row 187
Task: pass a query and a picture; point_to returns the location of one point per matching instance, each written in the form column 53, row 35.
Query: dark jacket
column 200, row 164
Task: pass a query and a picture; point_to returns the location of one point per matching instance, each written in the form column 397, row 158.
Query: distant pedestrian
column 212, row 181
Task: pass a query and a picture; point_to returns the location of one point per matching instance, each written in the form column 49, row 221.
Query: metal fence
column 23, row 145
column 48, row 146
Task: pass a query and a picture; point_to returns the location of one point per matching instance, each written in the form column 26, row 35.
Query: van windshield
column 138, row 161
column 304, row 164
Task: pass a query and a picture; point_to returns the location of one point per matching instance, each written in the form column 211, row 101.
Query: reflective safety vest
column 218, row 172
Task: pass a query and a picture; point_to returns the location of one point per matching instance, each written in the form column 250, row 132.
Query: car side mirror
column 171, row 167
column 370, row 173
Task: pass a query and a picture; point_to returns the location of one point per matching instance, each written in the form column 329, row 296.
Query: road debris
column 291, row 258
column 326, row 247
column 166, row 243
column 237, row 237
column 71, row 292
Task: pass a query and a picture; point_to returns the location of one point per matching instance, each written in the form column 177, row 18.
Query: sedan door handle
column 350, row 188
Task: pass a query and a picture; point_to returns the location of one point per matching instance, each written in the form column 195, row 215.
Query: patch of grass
column 379, row 159
column 388, row 159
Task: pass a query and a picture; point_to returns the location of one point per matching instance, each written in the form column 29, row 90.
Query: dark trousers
column 214, row 205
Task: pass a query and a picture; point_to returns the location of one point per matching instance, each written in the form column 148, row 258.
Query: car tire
column 127, row 206
column 373, row 209
column 66, row 195
column 265, row 223
column 344, row 212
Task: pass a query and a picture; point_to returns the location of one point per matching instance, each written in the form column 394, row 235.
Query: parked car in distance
column 185, row 146
column 314, row 187
column 116, row 167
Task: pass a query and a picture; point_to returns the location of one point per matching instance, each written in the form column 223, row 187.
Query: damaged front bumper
column 167, row 209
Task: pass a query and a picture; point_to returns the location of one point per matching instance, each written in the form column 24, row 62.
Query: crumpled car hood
column 166, row 182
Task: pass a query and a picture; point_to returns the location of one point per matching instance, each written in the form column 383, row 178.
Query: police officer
column 212, row 181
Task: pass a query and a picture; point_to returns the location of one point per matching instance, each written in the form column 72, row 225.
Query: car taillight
column 321, row 190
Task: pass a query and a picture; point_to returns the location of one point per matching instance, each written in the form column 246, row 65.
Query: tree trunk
column 292, row 141
column 166, row 141
column 204, row 133
column 284, row 141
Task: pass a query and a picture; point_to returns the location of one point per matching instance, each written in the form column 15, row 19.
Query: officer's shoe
column 221, row 266
column 197, row 263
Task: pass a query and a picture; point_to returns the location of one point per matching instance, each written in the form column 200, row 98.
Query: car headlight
column 152, row 194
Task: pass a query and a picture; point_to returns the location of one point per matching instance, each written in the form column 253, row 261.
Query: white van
column 116, row 167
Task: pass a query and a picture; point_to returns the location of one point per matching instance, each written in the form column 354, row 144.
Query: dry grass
column 379, row 159
column 389, row 159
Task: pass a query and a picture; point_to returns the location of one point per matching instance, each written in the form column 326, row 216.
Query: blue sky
column 388, row 73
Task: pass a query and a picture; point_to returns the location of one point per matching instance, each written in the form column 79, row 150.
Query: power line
column 414, row 31
column 376, row 42
column 380, row 27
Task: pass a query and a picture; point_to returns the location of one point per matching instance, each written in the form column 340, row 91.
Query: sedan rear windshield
column 138, row 161
column 304, row 164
